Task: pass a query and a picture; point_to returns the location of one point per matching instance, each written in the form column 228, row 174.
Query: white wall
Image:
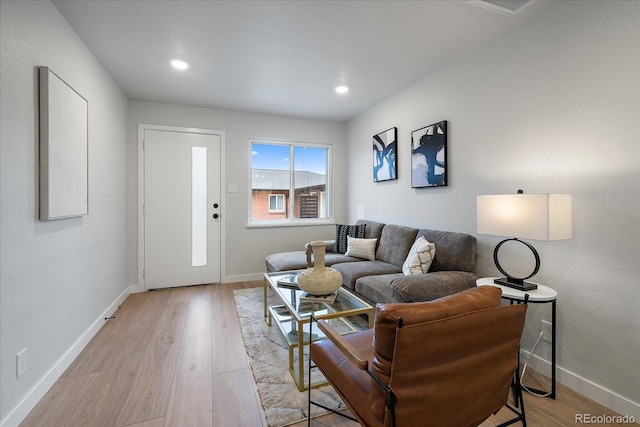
column 245, row 248
column 58, row 278
column 552, row 106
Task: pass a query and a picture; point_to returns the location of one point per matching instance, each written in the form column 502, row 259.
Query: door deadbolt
column 215, row 205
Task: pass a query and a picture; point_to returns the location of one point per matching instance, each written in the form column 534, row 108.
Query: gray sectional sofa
column 382, row 280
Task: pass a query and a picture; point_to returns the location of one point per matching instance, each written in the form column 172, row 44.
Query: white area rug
column 269, row 357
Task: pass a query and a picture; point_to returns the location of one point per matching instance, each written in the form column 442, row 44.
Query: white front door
column 182, row 208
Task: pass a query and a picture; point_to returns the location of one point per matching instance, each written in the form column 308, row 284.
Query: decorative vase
column 319, row 280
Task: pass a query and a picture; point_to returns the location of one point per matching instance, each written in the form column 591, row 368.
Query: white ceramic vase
column 319, row 279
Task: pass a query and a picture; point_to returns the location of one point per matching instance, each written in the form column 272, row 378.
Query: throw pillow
column 361, row 248
column 420, row 257
column 342, row 231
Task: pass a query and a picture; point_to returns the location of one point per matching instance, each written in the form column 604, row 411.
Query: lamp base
column 518, row 284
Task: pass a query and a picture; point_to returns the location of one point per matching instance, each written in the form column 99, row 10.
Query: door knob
column 216, row 216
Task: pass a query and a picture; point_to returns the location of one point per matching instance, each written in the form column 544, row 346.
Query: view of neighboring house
column 270, row 194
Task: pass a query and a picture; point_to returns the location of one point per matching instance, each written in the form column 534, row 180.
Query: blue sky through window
column 275, row 156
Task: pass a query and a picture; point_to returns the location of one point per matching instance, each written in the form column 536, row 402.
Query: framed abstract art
column 429, row 156
column 385, row 164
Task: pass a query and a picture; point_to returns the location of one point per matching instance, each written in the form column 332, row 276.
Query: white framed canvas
column 64, row 156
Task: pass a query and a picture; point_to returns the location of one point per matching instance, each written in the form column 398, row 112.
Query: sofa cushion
column 378, row 288
column 331, row 259
column 352, row 271
column 297, row 260
column 373, row 229
column 433, row 285
column 454, row 251
column 420, row 257
column 343, row 231
column 395, row 242
column 284, row 261
column 361, row 248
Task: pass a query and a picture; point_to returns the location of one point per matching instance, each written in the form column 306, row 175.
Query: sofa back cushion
column 395, row 243
column 454, row 251
column 373, row 229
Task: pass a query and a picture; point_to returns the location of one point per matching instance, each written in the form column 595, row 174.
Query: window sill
column 289, row 223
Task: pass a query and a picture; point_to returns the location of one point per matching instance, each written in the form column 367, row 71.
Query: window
column 276, row 203
column 289, row 182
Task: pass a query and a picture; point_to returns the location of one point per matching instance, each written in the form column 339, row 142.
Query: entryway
column 179, row 183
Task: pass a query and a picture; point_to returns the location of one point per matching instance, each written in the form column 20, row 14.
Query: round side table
column 541, row 295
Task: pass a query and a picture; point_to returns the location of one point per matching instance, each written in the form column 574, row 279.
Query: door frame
column 142, row 127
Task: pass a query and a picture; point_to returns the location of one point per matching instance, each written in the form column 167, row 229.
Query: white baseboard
column 585, row 387
column 20, row 412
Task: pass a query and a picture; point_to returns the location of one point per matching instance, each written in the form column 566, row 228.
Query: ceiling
column 281, row 57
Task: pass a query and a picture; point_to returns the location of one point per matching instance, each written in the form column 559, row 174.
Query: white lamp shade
column 525, row 216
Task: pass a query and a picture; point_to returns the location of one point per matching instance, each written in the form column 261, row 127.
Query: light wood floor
column 176, row 358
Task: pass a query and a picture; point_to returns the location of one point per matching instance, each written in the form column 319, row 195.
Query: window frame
column 277, row 196
column 290, row 201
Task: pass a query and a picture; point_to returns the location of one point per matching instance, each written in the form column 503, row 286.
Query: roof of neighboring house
column 273, row 179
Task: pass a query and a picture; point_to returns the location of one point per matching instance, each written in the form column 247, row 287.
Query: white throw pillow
column 361, row 248
column 420, row 257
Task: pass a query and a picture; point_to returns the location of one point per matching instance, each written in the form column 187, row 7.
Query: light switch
column 233, row 187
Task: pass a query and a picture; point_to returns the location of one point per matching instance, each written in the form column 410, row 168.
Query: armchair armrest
column 343, row 345
column 333, row 363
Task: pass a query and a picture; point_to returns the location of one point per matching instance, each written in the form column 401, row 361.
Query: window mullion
column 292, row 183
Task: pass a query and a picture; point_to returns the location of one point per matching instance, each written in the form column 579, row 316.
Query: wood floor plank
column 178, row 295
column 103, row 401
column 157, row 422
column 235, row 403
column 191, row 400
column 148, row 396
column 60, row 402
column 122, row 358
column 200, row 298
column 96, row 356
column 146, row 315
column 229, row 353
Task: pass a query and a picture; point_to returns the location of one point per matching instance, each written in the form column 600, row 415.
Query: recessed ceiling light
column 342, row 89
column 179, row 64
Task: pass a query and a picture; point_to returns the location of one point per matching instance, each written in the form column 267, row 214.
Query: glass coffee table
column 292, row 316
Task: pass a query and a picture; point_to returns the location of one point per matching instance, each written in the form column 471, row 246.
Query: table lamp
column 524, row 216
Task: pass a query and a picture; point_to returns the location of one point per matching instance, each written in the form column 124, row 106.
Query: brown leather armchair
column 448, row 362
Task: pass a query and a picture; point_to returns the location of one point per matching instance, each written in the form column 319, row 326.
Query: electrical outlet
column 546, row 331
column 21, row 362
